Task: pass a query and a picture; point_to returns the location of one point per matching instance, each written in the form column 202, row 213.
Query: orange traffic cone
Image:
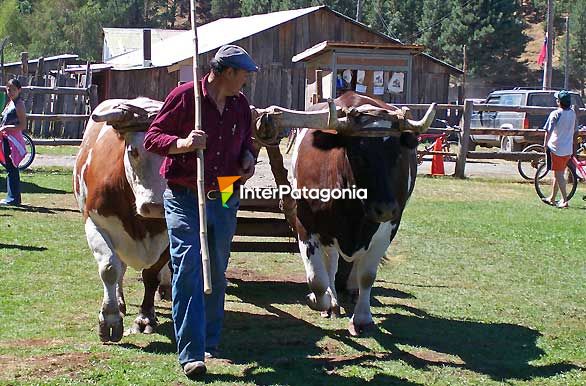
column 437, row 162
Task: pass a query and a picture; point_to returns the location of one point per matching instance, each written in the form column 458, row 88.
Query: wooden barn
column 273, row 40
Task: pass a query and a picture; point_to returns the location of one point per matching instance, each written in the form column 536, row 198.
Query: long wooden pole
column 567, row 55
column 547, row 69
column 201, row 198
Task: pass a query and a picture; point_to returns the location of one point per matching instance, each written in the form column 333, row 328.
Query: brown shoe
column 194, row 370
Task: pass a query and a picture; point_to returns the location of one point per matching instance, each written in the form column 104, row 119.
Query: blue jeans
column 198, row 318
column 13, row 180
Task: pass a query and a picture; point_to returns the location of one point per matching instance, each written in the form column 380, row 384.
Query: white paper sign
column 396, row 82
column 360, row 76
column 379, row 78
column 361, row 88
column 378, row 90
column 347, row 76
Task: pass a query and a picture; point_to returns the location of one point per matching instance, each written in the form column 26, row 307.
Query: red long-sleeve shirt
column 229, row 135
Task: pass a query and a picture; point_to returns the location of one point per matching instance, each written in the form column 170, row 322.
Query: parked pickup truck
column 515, row 120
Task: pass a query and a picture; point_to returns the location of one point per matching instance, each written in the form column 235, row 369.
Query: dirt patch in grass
column 29, row 343
column 436, row 357
column 250, row 275
column 47, row 366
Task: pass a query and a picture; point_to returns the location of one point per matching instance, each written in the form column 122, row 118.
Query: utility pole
column 567, row 55
column 547, row 69
column 464, row 70
column 358, row 10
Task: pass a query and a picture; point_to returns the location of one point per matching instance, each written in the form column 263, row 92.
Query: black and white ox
column 119, row 191
column 375, row 151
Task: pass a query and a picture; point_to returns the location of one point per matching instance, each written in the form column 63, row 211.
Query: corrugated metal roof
column 213, row 35
column 120, row 41
column 47, row 59
column 96, row 67
column 210, row 37
column 328, row 45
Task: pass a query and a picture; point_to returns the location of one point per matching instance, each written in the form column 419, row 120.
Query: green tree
column 203, row 11
column 433, row 14
column 491, row 31
column 225, row 8
column 13, row 28
column 577, row 54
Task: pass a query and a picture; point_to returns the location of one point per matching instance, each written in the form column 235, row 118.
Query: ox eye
column 133, row 152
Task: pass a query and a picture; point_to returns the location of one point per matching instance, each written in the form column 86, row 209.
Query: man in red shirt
column 227, row 140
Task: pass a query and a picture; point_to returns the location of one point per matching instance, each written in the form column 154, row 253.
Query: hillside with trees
column 500, row 36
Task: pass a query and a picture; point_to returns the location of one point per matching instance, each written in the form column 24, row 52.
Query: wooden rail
column 466, row 130
column 57, row 142
column 58, row 117
column 56, row 90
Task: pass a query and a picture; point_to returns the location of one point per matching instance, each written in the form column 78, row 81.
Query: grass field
column 483, row 285
column 57, row 150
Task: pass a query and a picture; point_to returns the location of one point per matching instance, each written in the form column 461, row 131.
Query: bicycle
column 575, row 172
column 447, row 142
column 30, row 153
column 527, row 169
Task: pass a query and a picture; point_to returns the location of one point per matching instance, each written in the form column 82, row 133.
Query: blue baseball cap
column 563, row 96
column 234, row 56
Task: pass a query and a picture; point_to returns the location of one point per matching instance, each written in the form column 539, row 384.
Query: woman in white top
column 559, row 143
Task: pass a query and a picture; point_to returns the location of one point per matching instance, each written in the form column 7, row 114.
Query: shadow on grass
column 37, row 209
column 22, row 247
column 500, row 350
column 280, row 348
column 28, row 187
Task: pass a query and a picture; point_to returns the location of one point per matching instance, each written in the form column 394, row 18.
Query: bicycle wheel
column 527, row 169
column 291, row 140
column 544, row 181
column 30, row 153
column 449, row 147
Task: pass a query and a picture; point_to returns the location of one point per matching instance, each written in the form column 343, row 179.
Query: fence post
column 93, row 97
column 24, row 63
column 464, row 139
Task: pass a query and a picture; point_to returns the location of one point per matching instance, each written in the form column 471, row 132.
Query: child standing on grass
column 13, row 148
column 559, row 143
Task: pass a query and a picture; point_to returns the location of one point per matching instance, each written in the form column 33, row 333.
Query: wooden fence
column 465, row 131
column 57, row 104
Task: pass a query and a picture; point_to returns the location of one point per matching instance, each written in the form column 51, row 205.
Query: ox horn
column 423, row 124
column 114, row 115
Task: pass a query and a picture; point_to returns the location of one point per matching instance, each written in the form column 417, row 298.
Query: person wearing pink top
column 13, row 147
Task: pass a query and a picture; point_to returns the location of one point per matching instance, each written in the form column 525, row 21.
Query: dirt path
column 264, row 177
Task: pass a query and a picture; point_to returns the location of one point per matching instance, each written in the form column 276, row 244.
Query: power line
column 420, row 32
column 387, row 27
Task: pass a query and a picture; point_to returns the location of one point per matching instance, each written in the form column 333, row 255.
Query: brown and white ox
column 358, row 230
column 119, row 191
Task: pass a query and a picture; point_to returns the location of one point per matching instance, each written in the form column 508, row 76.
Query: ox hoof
column 144, row 324
column 359, row 329
column 322, row 304
column 110, row 332
column 163, row 293
column 333, row 313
